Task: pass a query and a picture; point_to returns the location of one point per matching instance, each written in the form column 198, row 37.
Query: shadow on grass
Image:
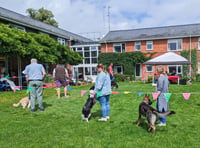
column 46, row 105
column 96, row 114
column 145, row 127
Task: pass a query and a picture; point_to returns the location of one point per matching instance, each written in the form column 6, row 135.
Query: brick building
column 159, row 40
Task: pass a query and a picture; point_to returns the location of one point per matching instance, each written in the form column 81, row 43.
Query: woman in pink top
column 110, row 69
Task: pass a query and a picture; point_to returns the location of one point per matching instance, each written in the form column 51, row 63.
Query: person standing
column 103, row 85
column 162, row 87
column 59, row 75
column 110, row 70
column 35, row 74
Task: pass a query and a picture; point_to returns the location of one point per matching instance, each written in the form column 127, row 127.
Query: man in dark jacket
column 59, row 75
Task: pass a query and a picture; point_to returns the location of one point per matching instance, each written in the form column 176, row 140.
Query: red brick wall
column 159, row 46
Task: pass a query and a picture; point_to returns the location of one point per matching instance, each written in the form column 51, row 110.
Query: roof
column 38, row 25
column 169, row 58
column 178, row 31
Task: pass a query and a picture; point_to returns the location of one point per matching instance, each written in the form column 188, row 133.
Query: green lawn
column 60, row 126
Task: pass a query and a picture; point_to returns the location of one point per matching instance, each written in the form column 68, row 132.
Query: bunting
column 167, row 96
column 127, row 92
column 6, row 76
column 140, row 93
column 83, row 92
column 186, row 96
column 155, row 96
column 15, row 88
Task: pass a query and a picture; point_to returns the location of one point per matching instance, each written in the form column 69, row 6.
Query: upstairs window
column 119, row 47
column 137, row 46
column 61, row 41
column 149, row 45
column 199, row 43
column 175, row 45
column 18, row 27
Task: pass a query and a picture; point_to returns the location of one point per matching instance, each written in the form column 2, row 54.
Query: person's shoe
column 158, row 122
column 107, row 117
column 32, row 110
column 161, row 124
column 102, row 119
column 67, row 96
column 41, row 109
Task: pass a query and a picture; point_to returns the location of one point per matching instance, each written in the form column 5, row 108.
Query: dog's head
column 147, row 100
column 92, row 92
column 92, row 88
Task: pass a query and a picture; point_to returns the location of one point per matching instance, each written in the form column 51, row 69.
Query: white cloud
column 86, row 16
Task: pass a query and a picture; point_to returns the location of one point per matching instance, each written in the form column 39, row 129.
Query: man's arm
column 43, row 74
column 66, row 73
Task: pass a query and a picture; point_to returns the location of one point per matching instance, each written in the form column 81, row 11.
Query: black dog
column 150, row 113
column 114, row 84
column 86, row 111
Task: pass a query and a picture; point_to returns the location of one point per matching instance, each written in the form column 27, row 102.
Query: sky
column 93, row 18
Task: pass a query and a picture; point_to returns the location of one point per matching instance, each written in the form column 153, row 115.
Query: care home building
column 148, row 40
column 13, row 65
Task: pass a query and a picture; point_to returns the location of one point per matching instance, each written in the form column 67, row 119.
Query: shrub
column 198, row 77
column 48, row 79
column 121, row 77
column 150, row 78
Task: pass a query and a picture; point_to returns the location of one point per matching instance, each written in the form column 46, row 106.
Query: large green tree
column 42, row 15
column 30, row 45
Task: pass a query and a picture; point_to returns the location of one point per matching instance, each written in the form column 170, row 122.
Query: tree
column 30, row 45
column 42, row 15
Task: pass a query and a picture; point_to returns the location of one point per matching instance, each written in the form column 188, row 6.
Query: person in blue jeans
column 103, row 85
column 162, row 87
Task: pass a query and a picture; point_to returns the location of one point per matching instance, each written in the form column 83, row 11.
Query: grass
column 60, row 126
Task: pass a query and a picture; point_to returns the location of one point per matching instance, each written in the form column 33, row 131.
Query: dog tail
column 16, row 105
column 163, row 115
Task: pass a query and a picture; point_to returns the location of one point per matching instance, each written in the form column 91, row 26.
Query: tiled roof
column 32, row 23
column 166, row 32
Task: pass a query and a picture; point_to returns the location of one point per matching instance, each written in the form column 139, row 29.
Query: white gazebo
column 169, row 58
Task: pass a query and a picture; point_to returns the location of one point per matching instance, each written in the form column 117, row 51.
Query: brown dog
column 150, row 113
column 25, row 102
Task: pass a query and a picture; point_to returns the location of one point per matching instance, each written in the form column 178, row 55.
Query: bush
column 121, row 77
column 150, row 78
column 198, row 77
column 48, row 79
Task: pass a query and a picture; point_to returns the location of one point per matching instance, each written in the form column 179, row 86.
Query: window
column 73, row 49
column 87, row 70
column 149, row 45
column 94, row 71
column 198, row 67
column 199, row 43
column 61, row 41
column 118, row 69
column 138, row 70
column 89, row 53
column 87, row 60
column 79, row 49
column 174, row 45
column 137, row 46
column 119, row 47
column 149, row 68
column 18, row 27
column 176, row 68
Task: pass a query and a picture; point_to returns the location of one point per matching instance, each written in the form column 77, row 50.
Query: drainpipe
column 19, row 64
column 190, row 58
column 106, row 47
